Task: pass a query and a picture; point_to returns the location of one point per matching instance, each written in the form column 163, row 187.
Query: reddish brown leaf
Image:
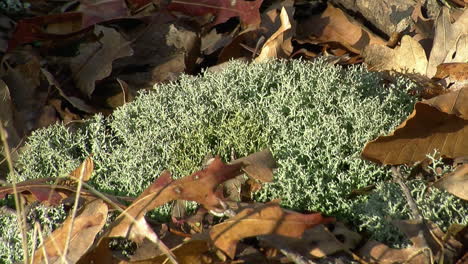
column 199, row 187
column 454, row 75
column 32, row 29
column 247, row 11
column 259, row 165
column 52, row 191
column 96, row 11
column 268, row 219
column 84, row 228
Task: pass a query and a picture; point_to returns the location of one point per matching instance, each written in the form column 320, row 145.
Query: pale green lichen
column 314, row 117
column 48, row 218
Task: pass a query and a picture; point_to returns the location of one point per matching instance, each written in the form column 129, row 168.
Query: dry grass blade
column 19, row 209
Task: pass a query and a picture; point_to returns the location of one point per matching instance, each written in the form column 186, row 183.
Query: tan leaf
column 317, row 241
column 450, row 41
column 439, row 123
column 279, row 45
column 333, row 25
column 85, row 227
column 84, row 171
column 268, row 219
column 456, row 71
column 190, row 252
column 377, row 252
column 409, row 57
column 259, row 165
column 455, row 182
column 95, row 59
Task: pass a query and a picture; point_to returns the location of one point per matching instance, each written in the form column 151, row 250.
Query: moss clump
column 314, row 117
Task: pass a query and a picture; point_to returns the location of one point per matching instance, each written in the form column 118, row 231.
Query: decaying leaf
column 409, row 57
column 455, row 182
column 165, row 49
column 377, row 252
column 334, row 26
column 190, row 252
column 39, row 190
column 454, row 74
column 247, row 11
column 439, row 123
column 317, row 241
column 259, row 165
column 84, row 228
column 94, row 61
column 450, row 41
column 96, row 11
column 268, row 219
column 7, row 115
column 199, row 187
column 52, row 191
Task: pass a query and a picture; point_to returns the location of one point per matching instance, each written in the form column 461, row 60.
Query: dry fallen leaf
column 95, row 58
column 84, row 229
column 268, row 219
column 278, row 45
column 84, row 171
column 455, row 75
column 334, row 26
column 247, row 11
column 439, row 123
column 450, row 41
column 259, row 165
column 190, row 252
column 455, row 182
column 377, row 252
column 317, row 241
column 409, row 57
column 199, row 187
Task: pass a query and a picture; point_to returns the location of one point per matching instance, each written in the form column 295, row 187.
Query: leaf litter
column 62, row 67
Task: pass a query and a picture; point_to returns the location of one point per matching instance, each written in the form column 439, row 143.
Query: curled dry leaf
column 333, row 25
column 456, row 182
column 279, row 45
column 380, row 253
column 454, row 74
column 52, row 191
column 84, row 229
column 199, row 187
column 439, row 123
column 268, row 219
column 84, row 171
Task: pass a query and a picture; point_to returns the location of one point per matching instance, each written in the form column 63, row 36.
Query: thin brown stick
column 413, row 207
